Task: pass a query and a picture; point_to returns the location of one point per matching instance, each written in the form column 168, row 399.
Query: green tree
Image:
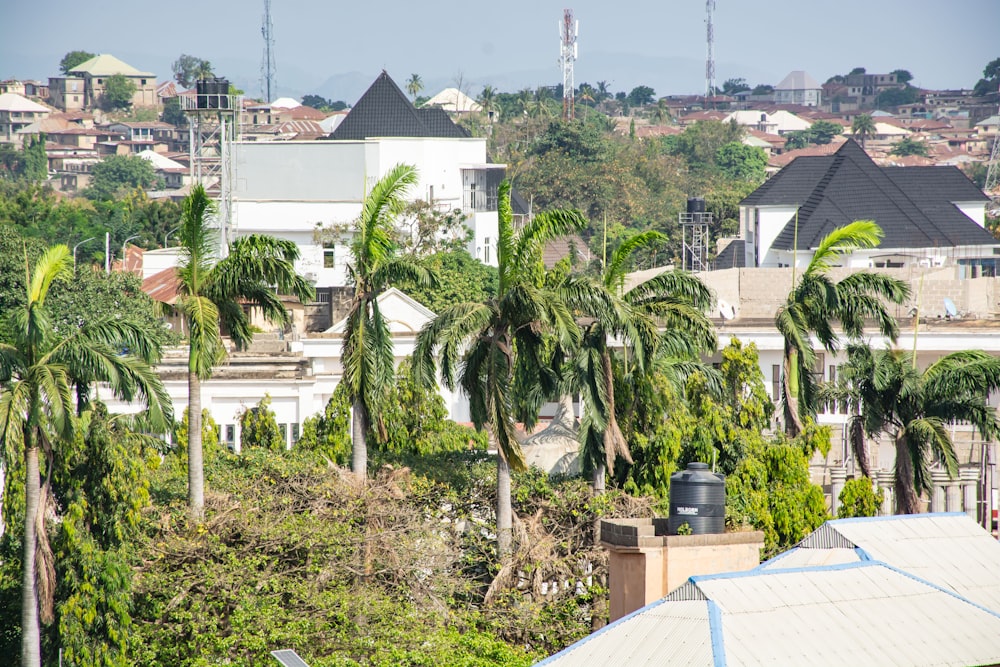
column 375, row 264
column 762, row 89
column 902, row 76
column 990, row 83
column 329, row 433
column 118, row 92
column 823, row 131
column 859, row 499
column 72, row 59
column 188, row 69
column 740, row 162
column 894, row 97
column 172, row 112
column 505, row 344
column 214, row 293
column 460, row 279
column 863, row 128
column 117, row 173
column 909, row 146
column 414, row 85
column 36, row 163
column 733, row 86
column 37, row 370
column 488, row 102
column 641, row 96
column 700, row 142
column 677, row 301
column 914, row 408
column 316, row 102
column 259, row 427
column 816, row 302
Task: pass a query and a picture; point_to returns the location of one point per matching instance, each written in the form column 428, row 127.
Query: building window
column 486, row 250
column 283, row 429
column 76, row 98
column 143, row 81
column 329, row 257
column 230, row 434
column 776, row 382
column 295, row 433
column 100, row 81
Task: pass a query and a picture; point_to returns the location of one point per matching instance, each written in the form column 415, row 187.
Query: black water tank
column 697, row 498
column 201, row 90
column 696, row 205
column 222, row 92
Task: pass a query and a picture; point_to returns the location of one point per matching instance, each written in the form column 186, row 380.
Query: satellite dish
column 949, row 307
column 726, row 310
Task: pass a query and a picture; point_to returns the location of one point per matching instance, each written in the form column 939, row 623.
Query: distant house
column 799, row 88
column 931, row 216
column 778, row 121
column 16, row 113
column 83, row 87
column 453, row 100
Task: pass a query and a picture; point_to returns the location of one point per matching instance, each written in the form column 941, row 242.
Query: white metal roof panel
column 802, row 557
column 859, row 614
column 675, row 633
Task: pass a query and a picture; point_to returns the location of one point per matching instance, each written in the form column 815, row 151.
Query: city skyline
column 322, row 49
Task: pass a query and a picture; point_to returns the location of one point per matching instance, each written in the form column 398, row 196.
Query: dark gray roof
column 912, row 205
column 732, row 256
column 384, row 111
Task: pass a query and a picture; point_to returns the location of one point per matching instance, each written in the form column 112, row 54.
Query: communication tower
column 710, row 60
column 694, row 225
column 213, row 116
column 267, row 63
column 569, row 30
column 993, row 172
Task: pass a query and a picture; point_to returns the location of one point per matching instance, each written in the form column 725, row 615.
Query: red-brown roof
column 163, row 286
column 816, row 149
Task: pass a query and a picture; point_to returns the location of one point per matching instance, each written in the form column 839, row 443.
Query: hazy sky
column 510, row 44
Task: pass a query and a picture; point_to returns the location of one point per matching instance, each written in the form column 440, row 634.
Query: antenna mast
column 568, row 32
column 993, row 172
column 710, row 60
column 267, row 65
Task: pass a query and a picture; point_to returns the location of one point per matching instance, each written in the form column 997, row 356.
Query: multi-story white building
column 294, row 189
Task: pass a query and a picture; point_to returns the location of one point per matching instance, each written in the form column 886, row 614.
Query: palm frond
column 541, row 229
column 614, row 273
column 858, row 235
column 206, row 348
column 56, row 263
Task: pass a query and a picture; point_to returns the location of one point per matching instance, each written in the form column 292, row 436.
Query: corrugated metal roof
column 864, row 613
column 660, row 634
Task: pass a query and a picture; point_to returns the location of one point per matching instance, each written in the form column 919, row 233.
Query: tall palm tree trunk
column 600, row 472
column 504, row 511
column 30, row 644
column 359, row 449
column 907, row 501
column 196, row 463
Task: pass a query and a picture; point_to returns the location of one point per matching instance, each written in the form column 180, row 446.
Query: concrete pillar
column 837, row 478
column 938, row 480
column 884, row 479
column 953, row 495
column 970, row 491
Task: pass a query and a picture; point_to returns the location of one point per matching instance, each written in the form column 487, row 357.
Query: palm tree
column 213, row 294
column 414, row 85
column 863, row 128
column 507, row 343
column 368, row 356
column 603, row 92
column 914, row 408
column 661, row 113
column 37, row 370
column 677, row 300
column 488, row 101
column 816, row 302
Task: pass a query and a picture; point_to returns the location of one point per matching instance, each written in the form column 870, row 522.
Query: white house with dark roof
column 294, row 189
column 799, row 88
column 931, row 216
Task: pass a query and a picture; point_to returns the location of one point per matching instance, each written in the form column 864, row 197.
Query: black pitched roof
column 384, row 111
column 912, row 205
column 732, row 256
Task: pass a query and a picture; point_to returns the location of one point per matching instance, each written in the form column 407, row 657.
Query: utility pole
column 710, row 60
column 568, row 32
column 993, row 172
column 267, row 64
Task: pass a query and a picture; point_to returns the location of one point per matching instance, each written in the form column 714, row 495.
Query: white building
column 294, row 189
column 799, row 88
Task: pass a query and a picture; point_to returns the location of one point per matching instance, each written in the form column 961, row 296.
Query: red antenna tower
column 568, row 32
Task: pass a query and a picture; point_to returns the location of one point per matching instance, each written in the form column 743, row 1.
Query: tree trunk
column 907, row 501
column 359, row 442
column 31, row 651
column 196, row 464
column 504, row 511
column 793, row 423
column 600, row 471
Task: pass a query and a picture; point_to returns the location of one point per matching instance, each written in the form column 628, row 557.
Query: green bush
column 860, row 499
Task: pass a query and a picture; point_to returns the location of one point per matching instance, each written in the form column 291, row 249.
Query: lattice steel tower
column 267, row 67
column 213, row 132
column 710, row 60
column 568, row 32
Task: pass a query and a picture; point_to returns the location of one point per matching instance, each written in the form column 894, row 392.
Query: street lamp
column 77, row 246
column 125, row 243
column 166, row 239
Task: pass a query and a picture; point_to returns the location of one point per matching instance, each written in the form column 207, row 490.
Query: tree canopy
column 72, row 59
column 188, row 69
column 117, row 173
column 118, row 92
